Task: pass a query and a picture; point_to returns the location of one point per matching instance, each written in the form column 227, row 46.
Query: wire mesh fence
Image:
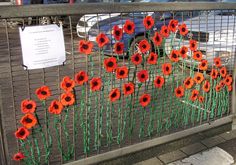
column 138, row 75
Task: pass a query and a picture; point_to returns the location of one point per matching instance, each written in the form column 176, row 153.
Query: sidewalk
column 225, row 141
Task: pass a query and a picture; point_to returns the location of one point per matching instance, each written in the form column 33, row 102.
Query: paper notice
column 42, row 46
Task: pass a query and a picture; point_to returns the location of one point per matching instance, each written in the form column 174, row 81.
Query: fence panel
column 144, row 81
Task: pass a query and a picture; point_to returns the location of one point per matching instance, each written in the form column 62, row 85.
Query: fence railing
column 144, row 74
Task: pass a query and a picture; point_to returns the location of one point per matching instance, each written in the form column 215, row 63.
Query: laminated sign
column 42, row 46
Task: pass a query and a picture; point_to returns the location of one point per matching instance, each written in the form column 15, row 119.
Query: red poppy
column 173, row 25
column 183, row 30
column 193, row 45
column 128, row 88
column 183, row 51
column 166, row 68
column 198, row 78
column 142, row 75
column 28, row 120
column 28, row 106
column 201, row 99
column 67, row 99
column 228, row 80
column 223, row 72
column 96, row 84
column 197, row 55
column 206, row 86
column 67, row 84
column 117, row 32
column 159, row 81
column 217, row 62
column 119, row 48
column 188, row 83
column 179, row 92
column 55, row 107
column 218, row 88
column 114, row 94
column 229, row 88
column 194, row 95
column 203, row 65
column 85, row 47
column 174, row 55
column 152, row 58
column 110, row 64
column 18, row 156
column 148, row 22
column 43, row 92
column 122, row 72
column 157, row 39
column 81, row 77
column 165, row 31
column 136, row 59
column 22, row 133
column 144, row 46
column 145, row 99
column 214, row 74
column 129, row 27
column 222, row 83
column 102, row 40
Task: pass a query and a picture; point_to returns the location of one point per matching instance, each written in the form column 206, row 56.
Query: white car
column 216, row 35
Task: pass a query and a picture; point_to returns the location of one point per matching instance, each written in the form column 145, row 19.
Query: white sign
column 42, row 46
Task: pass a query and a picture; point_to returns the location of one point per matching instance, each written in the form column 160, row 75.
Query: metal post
column 234, row 100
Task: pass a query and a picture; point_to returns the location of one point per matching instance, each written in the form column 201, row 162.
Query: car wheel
column 134, row 45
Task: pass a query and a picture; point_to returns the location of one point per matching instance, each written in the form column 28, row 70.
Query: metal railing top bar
column 91, row 8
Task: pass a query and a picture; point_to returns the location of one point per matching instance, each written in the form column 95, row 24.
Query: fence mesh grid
column 95, row 124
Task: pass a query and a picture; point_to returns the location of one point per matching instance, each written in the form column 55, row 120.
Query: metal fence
column 175, row 85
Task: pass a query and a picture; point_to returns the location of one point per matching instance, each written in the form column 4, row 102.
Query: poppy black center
column 22, row 132
column 165, row 30
column 194, row 95
column 193, row 45
column 167, row 68
column 198, row 78
column 206, row 86
column 183, row 29
column 28, row 120
column 117, row 32
column 227, row 80
column 179, row 91
column 152, row 58
column 148, row 23
column 183, row 52
column 128, row 88
column 158, row 81
column 213, row 74
column 217, row 62
column 223, row 71
column 122, row 72
column 157, row 38
column 113, row 94
column 102, row 40
column 29, row 106
column 43, row 92
column 129, row 27
column 118, row 48
column 188, row 82
column 143, row 76
column 68, row 84
column 55, row 106
column 18, row 157
column 145, row 99
column 174, row 55
column 203, row 64
column 68, row 98
column 144, row 46
column 197, row 55
column 110, row 64
column 95, row 83
column 172, row 25
column 136, row 58
column 85, row 46
column 81, row 78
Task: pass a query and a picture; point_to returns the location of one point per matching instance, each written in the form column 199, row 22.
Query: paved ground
column 225, row 141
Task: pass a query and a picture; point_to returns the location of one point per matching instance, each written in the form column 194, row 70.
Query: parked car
column 89, row 26
column 215, row 34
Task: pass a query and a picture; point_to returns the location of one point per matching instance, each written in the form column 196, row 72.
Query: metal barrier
column 174, row 86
